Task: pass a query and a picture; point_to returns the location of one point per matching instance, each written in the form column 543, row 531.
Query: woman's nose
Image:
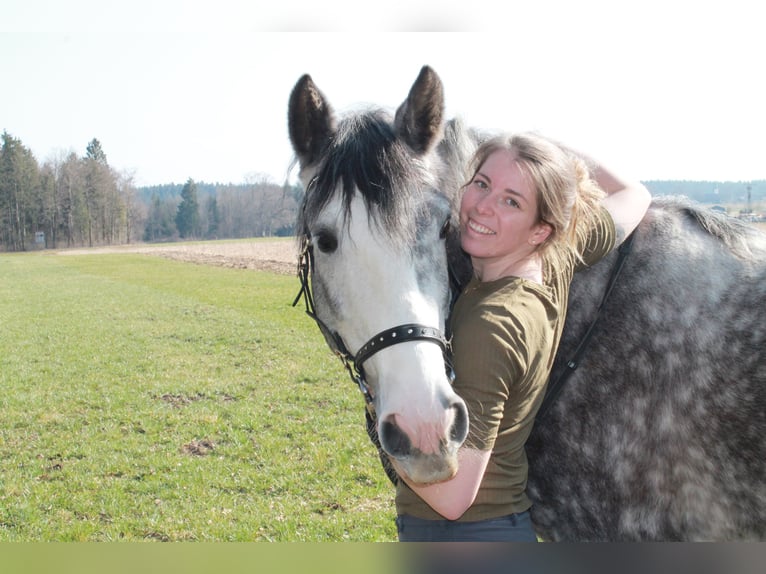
column 485, row 203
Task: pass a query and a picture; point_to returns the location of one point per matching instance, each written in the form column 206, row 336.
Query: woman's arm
column 626, row 199
column 453, row 497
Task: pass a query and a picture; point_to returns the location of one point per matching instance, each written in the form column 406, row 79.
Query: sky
column 178, row 89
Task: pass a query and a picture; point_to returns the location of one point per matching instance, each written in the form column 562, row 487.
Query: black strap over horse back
column 555, row 387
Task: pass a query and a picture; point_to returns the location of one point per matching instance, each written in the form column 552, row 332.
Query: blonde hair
column 567, row 198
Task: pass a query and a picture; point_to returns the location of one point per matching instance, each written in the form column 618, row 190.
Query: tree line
column 81, row 201
column 711, row 192
column 76, row 201
column 69, row 200
column 213, row 211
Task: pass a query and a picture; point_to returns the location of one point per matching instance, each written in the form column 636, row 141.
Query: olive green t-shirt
column 505, row 336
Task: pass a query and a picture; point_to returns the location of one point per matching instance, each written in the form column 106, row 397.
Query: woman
column 532, row 214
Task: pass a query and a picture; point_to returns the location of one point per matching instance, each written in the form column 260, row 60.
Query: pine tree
column 159, row 222
column 213, row 217
column 187, row 217
column 99, row 182
column 19, row 190
column 95, row 152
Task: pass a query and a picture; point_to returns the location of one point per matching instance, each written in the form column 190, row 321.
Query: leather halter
column 354, row 364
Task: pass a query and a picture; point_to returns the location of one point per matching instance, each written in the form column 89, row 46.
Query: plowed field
column 275, row 255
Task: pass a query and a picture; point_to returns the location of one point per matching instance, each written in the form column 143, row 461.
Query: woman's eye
column 511, row 202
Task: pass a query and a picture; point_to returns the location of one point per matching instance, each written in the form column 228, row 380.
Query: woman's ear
column 540, row 233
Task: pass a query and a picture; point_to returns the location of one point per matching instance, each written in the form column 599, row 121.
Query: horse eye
column 327, row 242
column 445, row 229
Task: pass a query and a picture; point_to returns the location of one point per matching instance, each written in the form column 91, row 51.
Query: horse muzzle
column 428, row 453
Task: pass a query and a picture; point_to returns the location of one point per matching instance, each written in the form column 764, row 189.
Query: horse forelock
column 364, row 156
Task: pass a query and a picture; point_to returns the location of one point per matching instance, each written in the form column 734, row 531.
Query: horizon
column 202, row 93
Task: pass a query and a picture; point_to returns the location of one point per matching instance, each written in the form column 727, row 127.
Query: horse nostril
column 459, row 430
column 393, row 440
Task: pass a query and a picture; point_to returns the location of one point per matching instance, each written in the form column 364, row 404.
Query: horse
column 654, row 425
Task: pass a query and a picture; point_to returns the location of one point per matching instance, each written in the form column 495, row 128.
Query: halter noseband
column 354, row 364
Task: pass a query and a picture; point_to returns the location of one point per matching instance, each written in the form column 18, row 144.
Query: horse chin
column 423, row 469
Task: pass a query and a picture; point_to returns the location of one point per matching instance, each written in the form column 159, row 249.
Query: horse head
column 374, row 221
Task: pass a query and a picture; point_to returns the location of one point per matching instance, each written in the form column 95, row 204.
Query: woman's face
column 498, row 212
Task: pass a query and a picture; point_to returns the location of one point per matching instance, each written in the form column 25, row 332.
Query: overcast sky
column 177, row 89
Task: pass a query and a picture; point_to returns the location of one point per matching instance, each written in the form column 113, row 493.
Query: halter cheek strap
column 334, row 341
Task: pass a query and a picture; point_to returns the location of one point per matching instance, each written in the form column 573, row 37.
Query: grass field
column 147, row 399
column 143, row 398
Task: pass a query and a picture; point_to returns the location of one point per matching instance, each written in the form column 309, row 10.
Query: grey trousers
column 512, row 528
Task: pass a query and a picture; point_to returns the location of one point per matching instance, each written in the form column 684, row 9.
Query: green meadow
column 148, row 399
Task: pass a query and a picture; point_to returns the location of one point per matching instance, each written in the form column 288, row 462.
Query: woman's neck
column 529, row 268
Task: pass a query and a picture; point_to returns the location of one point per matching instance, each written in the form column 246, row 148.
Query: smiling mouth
column 479, row 228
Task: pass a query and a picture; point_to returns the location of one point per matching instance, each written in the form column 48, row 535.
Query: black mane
column 364, row 156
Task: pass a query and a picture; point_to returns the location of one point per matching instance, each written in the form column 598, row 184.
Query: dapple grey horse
column 655, row 427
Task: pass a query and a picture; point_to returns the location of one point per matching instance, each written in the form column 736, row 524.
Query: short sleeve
column 599, row 242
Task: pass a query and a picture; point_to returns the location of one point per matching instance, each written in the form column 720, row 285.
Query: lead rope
column 554, row 389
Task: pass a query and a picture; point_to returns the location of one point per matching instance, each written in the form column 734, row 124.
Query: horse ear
column 419, row 119
column 310, row 120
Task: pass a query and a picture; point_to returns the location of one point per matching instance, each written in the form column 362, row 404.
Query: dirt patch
column 198, row 447
column 275, row 256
